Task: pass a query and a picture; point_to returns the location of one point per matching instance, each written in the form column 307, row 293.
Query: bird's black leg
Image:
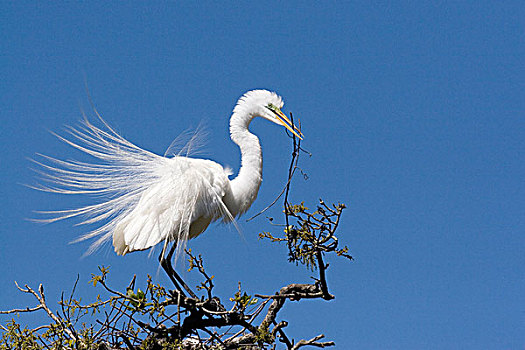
column 166, row 265
column 177, row 281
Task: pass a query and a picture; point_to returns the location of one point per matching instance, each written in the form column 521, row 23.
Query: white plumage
column 144, row 198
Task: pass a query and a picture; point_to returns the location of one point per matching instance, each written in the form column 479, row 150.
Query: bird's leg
column 177, row 281
column 176, row 275
column 166, row 265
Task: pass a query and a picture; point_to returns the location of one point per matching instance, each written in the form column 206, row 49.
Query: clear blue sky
column 414, row 114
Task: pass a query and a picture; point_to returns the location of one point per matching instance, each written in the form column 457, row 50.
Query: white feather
column 144, row 198
column 149, row 198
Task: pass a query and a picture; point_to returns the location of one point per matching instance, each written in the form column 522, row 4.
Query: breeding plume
column 146, row 199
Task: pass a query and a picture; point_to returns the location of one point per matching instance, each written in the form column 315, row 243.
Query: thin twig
column 27, row 309
column 41, row 298
column 313, row 342
column 291, row 172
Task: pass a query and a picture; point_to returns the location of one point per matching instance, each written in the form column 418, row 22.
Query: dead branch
column 313, row 342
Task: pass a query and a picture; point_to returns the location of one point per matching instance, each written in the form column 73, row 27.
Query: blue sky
column 414, row 114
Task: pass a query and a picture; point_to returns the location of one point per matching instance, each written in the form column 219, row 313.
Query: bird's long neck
column 246, row 185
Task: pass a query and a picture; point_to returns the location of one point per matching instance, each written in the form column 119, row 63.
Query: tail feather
column 143, row 199
column 118, row 177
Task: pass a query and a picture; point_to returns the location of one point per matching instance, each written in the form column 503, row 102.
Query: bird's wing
column 179, row 206
column 145, row 196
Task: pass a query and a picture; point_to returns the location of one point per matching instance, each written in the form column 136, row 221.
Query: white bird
column 147, row 199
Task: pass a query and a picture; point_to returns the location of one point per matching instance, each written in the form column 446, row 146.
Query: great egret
column 151, row 198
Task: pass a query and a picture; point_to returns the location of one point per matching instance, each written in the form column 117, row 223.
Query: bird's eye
column 271, row 106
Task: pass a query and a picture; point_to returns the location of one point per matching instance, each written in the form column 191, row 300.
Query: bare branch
column 313, row 342
column 27, row 309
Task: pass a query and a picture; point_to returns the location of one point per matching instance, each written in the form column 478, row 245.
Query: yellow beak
column 287, row 123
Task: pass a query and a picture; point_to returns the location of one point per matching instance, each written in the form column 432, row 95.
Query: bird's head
column 267, row 104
